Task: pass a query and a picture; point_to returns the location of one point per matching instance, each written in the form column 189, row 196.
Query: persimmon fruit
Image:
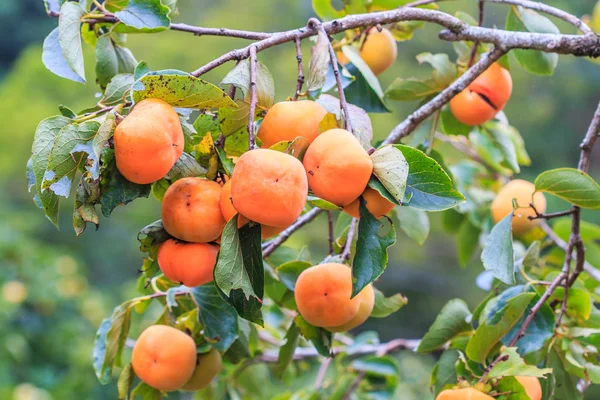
column 148, row 141
column 208, row 365
column 191, row 210
column 323, row 295
column 375, row 202
column 523, row 192
column 532, row 386
column 269, row 187
column 463, row 394
column 287, row 120
column 191, row 264
column 484, row 97
column 164, row 357
column 337, row 167
column 379, row 50
column 367, row 302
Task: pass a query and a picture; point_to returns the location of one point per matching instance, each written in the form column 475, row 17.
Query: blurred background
column 55, row 288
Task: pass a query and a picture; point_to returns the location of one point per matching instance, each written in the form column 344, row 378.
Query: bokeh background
column 55, row 288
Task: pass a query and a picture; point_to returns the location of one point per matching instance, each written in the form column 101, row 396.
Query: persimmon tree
column 535, row 335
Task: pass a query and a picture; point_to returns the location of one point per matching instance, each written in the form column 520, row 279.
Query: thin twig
column 322, row 373
column 476, row 43
column 555, row 12
column 492, row 365
column 336, row 72
column 300, row 80
column 423, row 112
column 331, row 232
column 348, row 245
column 251, row 136
column 539, row 215
column 273, row 244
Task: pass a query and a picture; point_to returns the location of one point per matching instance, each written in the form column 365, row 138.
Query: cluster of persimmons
column 270, row 188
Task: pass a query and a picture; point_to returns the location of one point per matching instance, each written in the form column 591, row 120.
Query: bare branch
column 322, row 372
column 555, row 12
column 251, row 136
column 539, row 215
column 422, row 113
column 348, row 246
column 476, row 44
column 300, row 80
column 336, row 72
column 591, row 136
column 331, row 232
column 200, row 31
column 272, row 245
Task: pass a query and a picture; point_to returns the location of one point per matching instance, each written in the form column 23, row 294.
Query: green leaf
column 218, row 318
column 69, row 37
column 365, row 92
column 286, row 352
column 371, row 256
column 411, row 89
column 444, row 372
column 183, row 91
column 146, row 392
column 326, row 11
column 514, row 136
column 566, row 384
column 490, row 332
column 404, row 30
column 319, row 63
column 62, row 162
column 507, row 148
column 54, row 60
column 467, row 241
column 391, row 168
column 414, row 222
column 533, row 61
column 140, row 70
column 112, row 60
column 239, row 77
column 361, row 123
column 116, row 90
column 513, row 389
column 53, row 5
column 232, row 120
column 384, row 366
column 184, row 167
column 319, row 337
column 428, row 187
column 444, row 71
column 579, row 302
column 290, row 271
column 125, row 381
column 450, row 125
column 322, row 204
column 385, row 306
column 451, row 321
column 110, row 340
column 536, row 334
column 143, row 16
column 515, row 366
column 117, row 190
column 497, row 255
column 239, row 272
column 43, row 142
column 570, row 184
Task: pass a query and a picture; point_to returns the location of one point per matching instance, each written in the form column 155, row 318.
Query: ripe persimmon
column 287, row 120
column 523, row 192
column 229, row 211
column 375, row 202
column 148, row 141
column 337, row 167
column 532, row 386
column 164, row 357
column 269, row 187
column 379, row 50
column 191, row 210
column 323, row 294
column 191, row 264
column 463, row 394
column 484, row 97
column 367, row 302
column 208, row 365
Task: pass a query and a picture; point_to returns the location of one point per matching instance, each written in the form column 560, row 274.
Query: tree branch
column 336, row 72
column 422, row 113
column 348, row 245
column 272, row 245
column 300, row 80
column 331, row 232
column 555, row 12
column 251, row 136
